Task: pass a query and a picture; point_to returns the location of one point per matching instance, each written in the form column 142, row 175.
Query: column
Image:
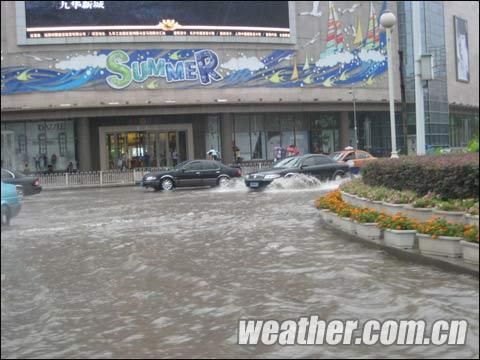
column 344, row 126
column 84, row 155
column 226, row 125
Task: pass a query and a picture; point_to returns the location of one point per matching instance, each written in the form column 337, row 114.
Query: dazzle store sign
column 203, row 69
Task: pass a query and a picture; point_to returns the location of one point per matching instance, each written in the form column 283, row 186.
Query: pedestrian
column 292, row 150
column 277, row 153
column 174, row 157
column 53, row 160
column 213, row 154
column 236, row 152
column 70, row 167
column 26, row 169
column 120, row 163
column 36, row 158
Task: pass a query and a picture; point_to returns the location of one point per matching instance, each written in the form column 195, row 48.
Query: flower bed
column 439, row 237
column 399, row 231
column 423, row 208
column 366, row 223
column 436, row 236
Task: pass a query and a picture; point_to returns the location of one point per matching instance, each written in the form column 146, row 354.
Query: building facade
column 153, row 90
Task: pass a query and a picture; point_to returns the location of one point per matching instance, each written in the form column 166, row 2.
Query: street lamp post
column 388, row 21
column 352, row 91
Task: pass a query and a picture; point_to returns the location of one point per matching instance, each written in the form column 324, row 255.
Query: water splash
column 298, row 182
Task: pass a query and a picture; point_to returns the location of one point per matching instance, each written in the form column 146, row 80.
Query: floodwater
column 124, row 272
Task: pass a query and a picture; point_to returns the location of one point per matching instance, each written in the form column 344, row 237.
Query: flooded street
column 123, row 272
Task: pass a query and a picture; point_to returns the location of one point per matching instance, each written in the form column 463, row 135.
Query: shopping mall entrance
column 125, row 147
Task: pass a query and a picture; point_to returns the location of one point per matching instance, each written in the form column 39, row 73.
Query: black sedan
column 320, row 166
column 191, row 173
column 30, row 184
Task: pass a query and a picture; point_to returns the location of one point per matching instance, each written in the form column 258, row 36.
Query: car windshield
column 181, row 165
column 288, row 163
column 336, row 156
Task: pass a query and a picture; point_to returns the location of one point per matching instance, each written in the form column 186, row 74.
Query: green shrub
column 473, row 145
column 449, row 176
column 428, row 201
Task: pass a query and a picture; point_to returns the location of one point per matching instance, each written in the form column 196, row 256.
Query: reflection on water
column 127, row 273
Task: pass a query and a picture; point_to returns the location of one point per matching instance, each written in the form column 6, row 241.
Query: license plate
column 254, row 184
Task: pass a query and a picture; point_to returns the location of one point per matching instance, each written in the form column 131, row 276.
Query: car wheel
column 5, row 216
column 338, row 176
column 223, row 181
column 167, row 184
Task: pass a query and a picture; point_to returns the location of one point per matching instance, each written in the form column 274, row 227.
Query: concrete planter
column 351, row 199
column 326, row 215
column 470, row 252
column 402, row 239
column 344, row 224
column 471, row 220
column 457, row 217
column 393, row 209
column 375, row 205
column 419, row 214
column 368, row 231
column 443, row 246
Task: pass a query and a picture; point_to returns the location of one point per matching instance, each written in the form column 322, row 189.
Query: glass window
column 336, row 156
column 22, row 144
column 257, row 127
column 288, row 163
column 42, row 144
column 362, row 155
column 241, row 136
column 62, row 144
column 210, row 165
column 309, row 161
column 322, row 160
column 194, row 166
column 212, row 134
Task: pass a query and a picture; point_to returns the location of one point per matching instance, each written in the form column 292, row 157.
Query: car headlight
column 271, row 176
column 150, row 178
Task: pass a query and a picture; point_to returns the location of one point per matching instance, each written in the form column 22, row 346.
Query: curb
column 414, row 255
column 83, row 187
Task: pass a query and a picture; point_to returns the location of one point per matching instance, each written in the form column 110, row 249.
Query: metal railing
column 119, row 177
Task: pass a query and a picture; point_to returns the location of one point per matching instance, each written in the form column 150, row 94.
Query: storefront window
column 140, row 149
column 273, row 135
column 241, row 136
column 62, row 144
column 212, row 134
column 463, row 128
column 257, row 136
column 324, row 136
column 40, row 145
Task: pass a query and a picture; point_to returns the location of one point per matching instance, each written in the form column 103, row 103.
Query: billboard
column 461, row 49
column 63, row 19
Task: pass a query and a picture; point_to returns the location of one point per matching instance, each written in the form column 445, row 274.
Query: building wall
column 461, row 93
column 311, row 32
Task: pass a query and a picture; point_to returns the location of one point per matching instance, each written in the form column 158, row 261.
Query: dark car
column 320, row 166
column 191, row 173
column 31, row 184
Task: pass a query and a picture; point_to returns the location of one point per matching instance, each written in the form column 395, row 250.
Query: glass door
column 172, row 148
column 162, row 149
